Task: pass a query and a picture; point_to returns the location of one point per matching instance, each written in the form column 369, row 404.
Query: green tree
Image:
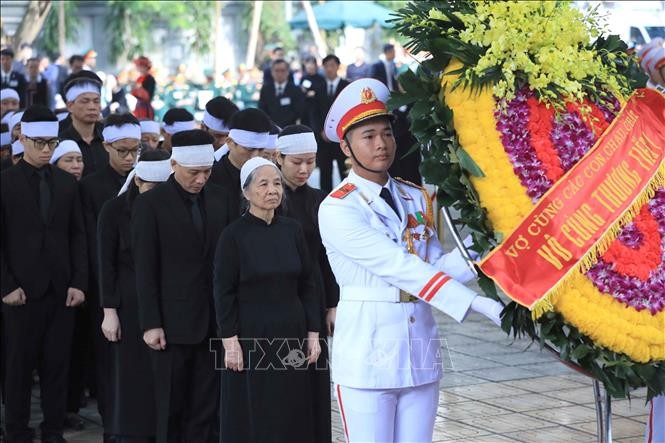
column 130, row 24
column 48, row 38
column 273, row 30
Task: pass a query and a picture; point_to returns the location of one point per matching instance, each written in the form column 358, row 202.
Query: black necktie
column 279, row 91
column 331, row 90
column 388, row 197
column 44, row 194
column 196, row 214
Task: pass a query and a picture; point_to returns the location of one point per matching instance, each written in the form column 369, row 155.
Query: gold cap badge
column 367, row 96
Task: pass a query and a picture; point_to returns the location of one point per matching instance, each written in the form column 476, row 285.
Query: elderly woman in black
column 131, row 417
column 268, row 316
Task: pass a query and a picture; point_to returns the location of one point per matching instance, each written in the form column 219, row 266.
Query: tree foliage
column 129, row 24
column 48, row 39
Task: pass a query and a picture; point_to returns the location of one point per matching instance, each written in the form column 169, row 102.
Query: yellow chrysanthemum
column 610, row 323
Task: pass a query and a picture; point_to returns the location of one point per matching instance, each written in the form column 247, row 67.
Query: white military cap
column 361, row 100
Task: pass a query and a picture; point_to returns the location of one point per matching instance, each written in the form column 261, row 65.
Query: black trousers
column 325, row 156
column 186, row 394
column 37, row 335
column 80, row 365
column 101, row 351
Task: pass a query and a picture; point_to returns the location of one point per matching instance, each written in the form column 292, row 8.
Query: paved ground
column 495, row 390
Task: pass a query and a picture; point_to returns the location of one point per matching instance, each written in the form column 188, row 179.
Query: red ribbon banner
column 584, row 204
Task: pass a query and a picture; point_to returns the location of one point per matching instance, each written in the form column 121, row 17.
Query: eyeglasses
column 123, row 153
column 40, row 143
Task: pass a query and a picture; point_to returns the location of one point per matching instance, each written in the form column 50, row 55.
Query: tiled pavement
column 495, row 390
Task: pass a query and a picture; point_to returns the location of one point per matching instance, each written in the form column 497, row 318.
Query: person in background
column 90, row 60
column 266, row 298
column 281, row 99
column 17, row 151
column 174, row 228
column 150, row 133
column 44, row 276
column 67, row 156
column 329, row 152
column 83, row 97
column 25, row 53
column 36, row 85
column 296, row 158
column 175, row 120
column 10, row 77
column 248, row 137
column 216, row 117
column 276, row 54
column 9, row 101
column 75, row 64
column 312, row 85
column 131, row 404
column 144, row 90
column 384, row 70
column 270, row 151
column 359, row 69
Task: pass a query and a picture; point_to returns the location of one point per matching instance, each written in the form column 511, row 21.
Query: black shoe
column 74, row 422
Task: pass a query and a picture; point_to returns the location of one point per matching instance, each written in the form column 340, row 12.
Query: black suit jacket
column 379, row 73
column 37, row 94
column 173, row 264
column 316, row 84
column 17, row 83
column 282, row 114
column 97, row 189
column 35, row 254
column 325, row 102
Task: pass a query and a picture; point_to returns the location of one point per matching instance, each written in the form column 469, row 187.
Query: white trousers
column 655, row 432
column 402, row 415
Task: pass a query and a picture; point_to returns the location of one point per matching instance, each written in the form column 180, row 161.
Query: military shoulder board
column 343, row 191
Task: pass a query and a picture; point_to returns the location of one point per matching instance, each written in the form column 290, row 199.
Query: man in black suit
column 10, row 78
column 44, row 274
column 36, row 86
column 328, row 151
column 83, row 98
column 282, row 100
column 122, row 137
column 384, row 70
column 175, row 228
column 276, row 54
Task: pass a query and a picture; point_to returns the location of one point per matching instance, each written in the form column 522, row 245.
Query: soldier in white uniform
column 391, row 269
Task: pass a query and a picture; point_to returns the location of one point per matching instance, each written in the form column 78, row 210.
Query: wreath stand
column 602, row 399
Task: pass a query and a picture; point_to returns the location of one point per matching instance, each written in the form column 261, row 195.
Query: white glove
column 488, row 307
column 468, row 241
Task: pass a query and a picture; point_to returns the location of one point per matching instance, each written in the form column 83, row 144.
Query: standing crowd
column 186, row 273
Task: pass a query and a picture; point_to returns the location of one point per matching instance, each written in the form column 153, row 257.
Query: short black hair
column 38, row 113
column 120, row 119
column 278, row 61
column 251, row 119
column 310, row 59
column 330, row 57
column 295, row 129
column 221, row 108
column 192, row 137
column 8, row 52
column 277, row 48
column 33, row 59
column 177, row 115
column 387, row 47
column 154, row 155
column 75, row 58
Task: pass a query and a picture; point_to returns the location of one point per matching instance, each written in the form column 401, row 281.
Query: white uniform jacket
column 379, row 342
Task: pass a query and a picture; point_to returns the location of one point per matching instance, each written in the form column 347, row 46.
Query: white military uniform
column 386, row 360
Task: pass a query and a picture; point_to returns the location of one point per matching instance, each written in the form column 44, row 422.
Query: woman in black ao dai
column 268, row 317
